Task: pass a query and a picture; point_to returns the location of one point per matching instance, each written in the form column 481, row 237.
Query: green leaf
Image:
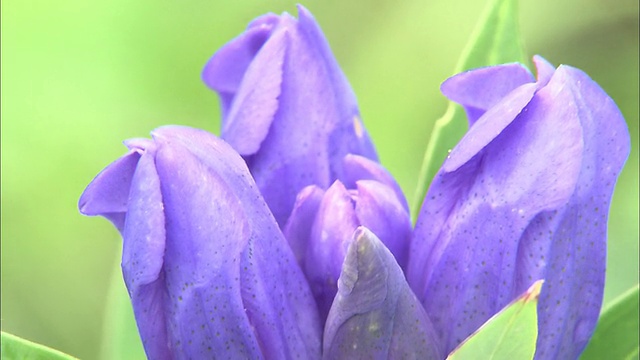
column 616, row 335
column 495, row 40
column 16, row 348
column 510, row 334
column 120, row 335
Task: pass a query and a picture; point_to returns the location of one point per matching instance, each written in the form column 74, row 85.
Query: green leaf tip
column 495, row 40
column 510, row 334
column 17, row 348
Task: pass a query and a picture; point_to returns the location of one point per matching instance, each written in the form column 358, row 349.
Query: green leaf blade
column 616, row 335
column 495, row 40
column 17, row 348
column 510, row 334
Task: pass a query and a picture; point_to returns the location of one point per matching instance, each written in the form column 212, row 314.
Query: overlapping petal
column 207, row 268
column 524, row 196
column 480, row 89
column 287, row 107
column 570, row 302
column 375, row 315
column 361, row 168
column 322, row 223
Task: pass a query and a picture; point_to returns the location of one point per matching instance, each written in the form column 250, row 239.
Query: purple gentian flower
column 207, row 268
column 212, row 270
column 523, row 196
column 322, row 222
column 287, row 108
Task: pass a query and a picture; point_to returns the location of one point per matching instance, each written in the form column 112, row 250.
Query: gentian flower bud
column 321, row 224
column 375, row 315
column 287, row 107
column 523, row 196
column 207, row 268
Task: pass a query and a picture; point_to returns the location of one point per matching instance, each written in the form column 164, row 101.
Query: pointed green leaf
column 16, row 348
column 120, row 338
column 495, row 40
column 616, row 335
column 510, row 334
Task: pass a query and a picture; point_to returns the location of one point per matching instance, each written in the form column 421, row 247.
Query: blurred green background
column 78, row 77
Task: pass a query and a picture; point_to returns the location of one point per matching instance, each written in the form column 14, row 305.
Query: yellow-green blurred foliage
column 79, row 76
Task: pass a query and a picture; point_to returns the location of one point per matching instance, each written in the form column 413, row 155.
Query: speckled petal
column 375, row 315
column 207, row 268
column 143, row 253
column 571, row 298
column 490, row 125
column 464, row 256
column 480, row 89
column 242, row 290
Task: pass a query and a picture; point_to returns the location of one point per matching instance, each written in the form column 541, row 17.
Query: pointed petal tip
column 544, row 69
column 362, row 233
column 490, row 125
column 478, row 90
column 303, row 11
column 375, row 314
column 364, row 243
column 82, row 204
column 257, row 99
column 108, row 192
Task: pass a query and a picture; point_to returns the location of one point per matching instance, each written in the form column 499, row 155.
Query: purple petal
column 360, row 168
column 322, row 223
column 489, row 126
column 298, row 228
column 207, row 268
column 466, row 256
column 480, row 89
column 250, row 262
column 327, row 246
column 293, row 117
column 108, row 193
column 223, row 73
column 544, row 69
column 379, row 209
column 256, row 101
column 143, row 254
column 571, row 298
column 375, row 314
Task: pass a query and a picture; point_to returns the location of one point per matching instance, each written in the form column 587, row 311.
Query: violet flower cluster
column 285, row 238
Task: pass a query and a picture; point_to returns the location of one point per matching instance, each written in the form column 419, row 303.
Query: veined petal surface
column 519, row 199
column 375, row 315
column 207, row 268
column 287, row 107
